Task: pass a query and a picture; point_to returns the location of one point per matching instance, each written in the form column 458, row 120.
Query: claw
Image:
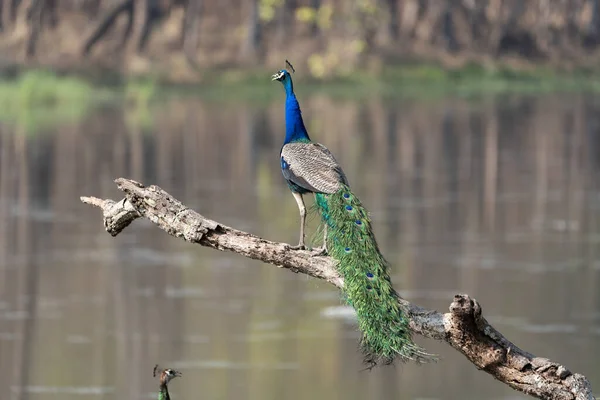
column 297, row 247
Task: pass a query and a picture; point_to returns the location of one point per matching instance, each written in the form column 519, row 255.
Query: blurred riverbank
column 181, row 41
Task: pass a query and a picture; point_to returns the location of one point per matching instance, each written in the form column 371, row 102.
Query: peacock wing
column 312, row 166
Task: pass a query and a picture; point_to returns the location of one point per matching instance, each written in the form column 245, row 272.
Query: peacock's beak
column 278, row 76
column 177, row 373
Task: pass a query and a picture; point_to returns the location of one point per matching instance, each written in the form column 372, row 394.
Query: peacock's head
column 166, row 374
column 284, row 77
column 281, row 76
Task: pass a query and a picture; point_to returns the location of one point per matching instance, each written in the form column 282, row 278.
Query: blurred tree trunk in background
column 285, row 23
column 142, row 21
column 106, row 22
column 8, row 14
column 327, row 35
column 316, row 5
column 35, row 18
column 253, row 29
column 190, row 29
column 393, row 29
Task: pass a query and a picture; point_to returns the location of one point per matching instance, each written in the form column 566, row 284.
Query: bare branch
column 464, row 327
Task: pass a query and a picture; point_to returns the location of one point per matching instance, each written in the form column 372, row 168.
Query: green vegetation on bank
column 409, row 80
column 38, row 98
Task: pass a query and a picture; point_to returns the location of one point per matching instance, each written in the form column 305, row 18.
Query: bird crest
column 280, row 75
column 289, row 64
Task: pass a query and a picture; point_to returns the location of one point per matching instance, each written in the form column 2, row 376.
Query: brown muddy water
column 498, row 198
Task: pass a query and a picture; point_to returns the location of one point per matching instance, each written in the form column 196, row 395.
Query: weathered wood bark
column 464, row 327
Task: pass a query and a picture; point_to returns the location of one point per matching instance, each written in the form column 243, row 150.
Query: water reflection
column 498, row 198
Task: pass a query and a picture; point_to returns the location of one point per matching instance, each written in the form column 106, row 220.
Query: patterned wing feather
column 312, row 166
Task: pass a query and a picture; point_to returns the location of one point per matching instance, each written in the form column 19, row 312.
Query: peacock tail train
column 367, row 284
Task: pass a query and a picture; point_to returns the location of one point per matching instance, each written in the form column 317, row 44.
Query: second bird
column 309, row 167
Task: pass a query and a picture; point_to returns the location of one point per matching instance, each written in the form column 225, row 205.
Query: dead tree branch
column 464, row 327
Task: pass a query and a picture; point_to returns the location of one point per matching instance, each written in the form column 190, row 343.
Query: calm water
column 498, row 198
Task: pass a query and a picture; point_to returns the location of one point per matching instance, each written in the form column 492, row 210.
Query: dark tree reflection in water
column 497, row 197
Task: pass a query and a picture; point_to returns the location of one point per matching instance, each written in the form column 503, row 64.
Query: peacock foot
column 297, row 247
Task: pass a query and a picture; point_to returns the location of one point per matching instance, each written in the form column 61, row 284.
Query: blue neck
column 294, row 126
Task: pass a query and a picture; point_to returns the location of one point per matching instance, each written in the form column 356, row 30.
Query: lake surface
column 495, row 197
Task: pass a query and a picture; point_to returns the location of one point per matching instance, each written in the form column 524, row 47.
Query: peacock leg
column 302, row 209
column 322, row 251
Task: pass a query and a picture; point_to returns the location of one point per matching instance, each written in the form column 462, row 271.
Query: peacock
column 309, row 167
column 165, row 377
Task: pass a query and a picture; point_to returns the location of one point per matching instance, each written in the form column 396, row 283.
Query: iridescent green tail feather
column 367, row 283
